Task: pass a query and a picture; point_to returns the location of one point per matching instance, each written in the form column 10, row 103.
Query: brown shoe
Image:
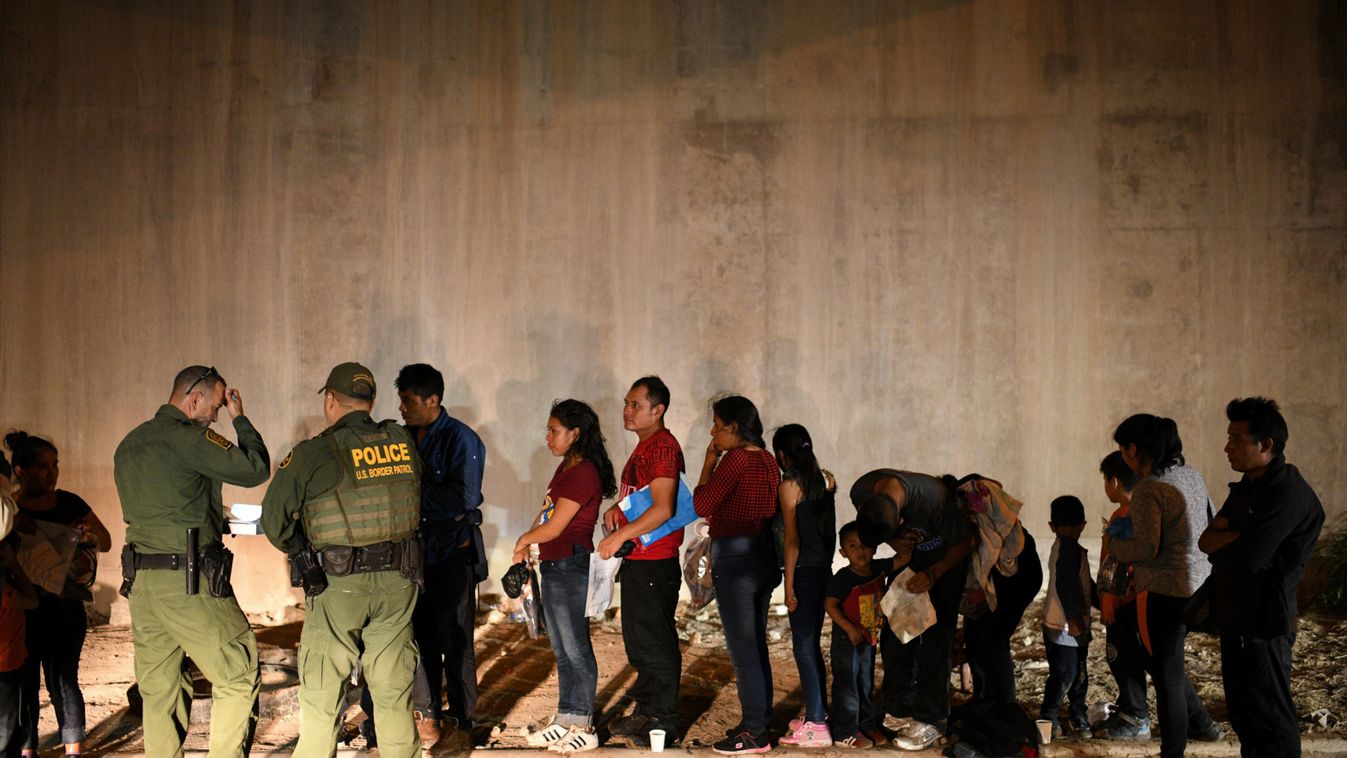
column 427, row 729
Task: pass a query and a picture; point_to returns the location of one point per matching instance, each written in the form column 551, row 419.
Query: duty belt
column 169, row 561
column 342, row 560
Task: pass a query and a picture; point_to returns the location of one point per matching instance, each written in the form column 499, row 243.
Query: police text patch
column 376, row 461
column 215, row 437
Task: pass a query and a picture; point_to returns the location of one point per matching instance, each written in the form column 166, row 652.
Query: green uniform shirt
column 169, row 471
column 311, row 470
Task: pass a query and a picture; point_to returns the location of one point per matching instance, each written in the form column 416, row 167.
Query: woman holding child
column 564, row 533
column 1169, row 510
column 737, row 495
column 807, row 501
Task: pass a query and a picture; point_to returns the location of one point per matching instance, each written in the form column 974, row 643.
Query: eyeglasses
column 208, row 373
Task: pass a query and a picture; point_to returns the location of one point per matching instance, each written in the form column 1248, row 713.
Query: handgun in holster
column 128, row 569
column 305, row 570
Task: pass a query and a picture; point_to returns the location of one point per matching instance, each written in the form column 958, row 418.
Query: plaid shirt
column 740, row 497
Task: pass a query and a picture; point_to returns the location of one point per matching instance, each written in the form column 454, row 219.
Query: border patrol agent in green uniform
column 168, row 472
column 355, row 490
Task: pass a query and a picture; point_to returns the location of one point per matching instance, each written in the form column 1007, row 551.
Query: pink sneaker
column 809, row 734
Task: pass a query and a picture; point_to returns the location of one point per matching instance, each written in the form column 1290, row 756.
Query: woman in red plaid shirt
column 736, row 494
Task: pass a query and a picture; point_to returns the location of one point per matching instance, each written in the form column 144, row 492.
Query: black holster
column 128, row 569
column 412, row 561
column 217, row 566
column 305, row 571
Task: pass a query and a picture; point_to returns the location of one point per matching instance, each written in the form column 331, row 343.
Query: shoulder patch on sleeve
column 286, row 461
column 217, row 439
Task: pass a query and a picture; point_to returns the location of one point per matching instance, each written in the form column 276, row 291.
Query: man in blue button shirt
column 453, row 459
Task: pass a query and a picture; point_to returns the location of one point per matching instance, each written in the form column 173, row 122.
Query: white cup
column 656, row 740
column 1044, row 731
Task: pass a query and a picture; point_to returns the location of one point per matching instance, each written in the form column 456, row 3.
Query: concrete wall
column 944, row 235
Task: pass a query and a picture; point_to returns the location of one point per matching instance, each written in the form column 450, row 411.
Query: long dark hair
column 1157, row 440
column 740, row 411
column 589, row 444
column 24, row 448
column 795, row 452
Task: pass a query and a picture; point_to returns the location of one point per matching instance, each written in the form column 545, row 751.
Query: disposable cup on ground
column 656, row 740
column 1044, row 731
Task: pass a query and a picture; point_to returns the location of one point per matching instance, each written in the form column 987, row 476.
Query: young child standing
column 1118, row 610
column 1066, row 619
column 853, row 604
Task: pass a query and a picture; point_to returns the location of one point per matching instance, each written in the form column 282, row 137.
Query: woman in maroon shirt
column 737, row 496
column 564, row 533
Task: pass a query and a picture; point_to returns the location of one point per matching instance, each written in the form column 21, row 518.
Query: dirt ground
column 518, row 680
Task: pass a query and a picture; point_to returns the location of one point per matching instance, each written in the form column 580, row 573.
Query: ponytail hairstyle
column 740, row 411
column 589, row 443
column 795, row 452
column 1157, row 440
column 24, row 448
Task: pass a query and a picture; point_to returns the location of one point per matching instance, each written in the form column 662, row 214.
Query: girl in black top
column 806, row 499
column 56, row 628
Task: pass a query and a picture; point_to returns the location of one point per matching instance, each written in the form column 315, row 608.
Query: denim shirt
column 454, row 460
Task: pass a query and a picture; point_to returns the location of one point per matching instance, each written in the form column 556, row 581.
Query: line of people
column 375, row 515
column 1167, row 556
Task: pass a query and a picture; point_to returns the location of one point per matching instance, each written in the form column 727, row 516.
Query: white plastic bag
column 602, row 573
column 909, row 614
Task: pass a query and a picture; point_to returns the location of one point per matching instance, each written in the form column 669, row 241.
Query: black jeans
column 916, row 674
column 443, row 624
column 1176, row 702
column 649, row 596
column 806, row 635
column 1127, row 662
column 744, row 576
column 987, row 639
column 1067, row 676
column 1257, row 676
column 853, row 687
column 55, row 638
column 13, row 729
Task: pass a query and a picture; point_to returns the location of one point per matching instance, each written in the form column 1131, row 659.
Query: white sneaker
column 548, row 735
column 896, row 723
column 577, row 740
column 917, row 736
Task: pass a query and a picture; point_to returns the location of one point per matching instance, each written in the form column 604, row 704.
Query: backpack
column 994, row 729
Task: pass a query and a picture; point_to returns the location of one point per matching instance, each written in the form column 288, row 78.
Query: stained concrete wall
column 944, row 235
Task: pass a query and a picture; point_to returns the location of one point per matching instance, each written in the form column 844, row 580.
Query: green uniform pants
column 365, row 616
column 166, row 622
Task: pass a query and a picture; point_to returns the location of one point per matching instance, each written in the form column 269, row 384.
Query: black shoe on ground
column 629, row 726
column 743, row 743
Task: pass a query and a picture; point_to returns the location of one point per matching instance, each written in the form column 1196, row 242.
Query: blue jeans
column 565, row 587
column 1067, row 676
column 806, row 634
column 55, row 638
column 744, row 576
column 853, row 687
